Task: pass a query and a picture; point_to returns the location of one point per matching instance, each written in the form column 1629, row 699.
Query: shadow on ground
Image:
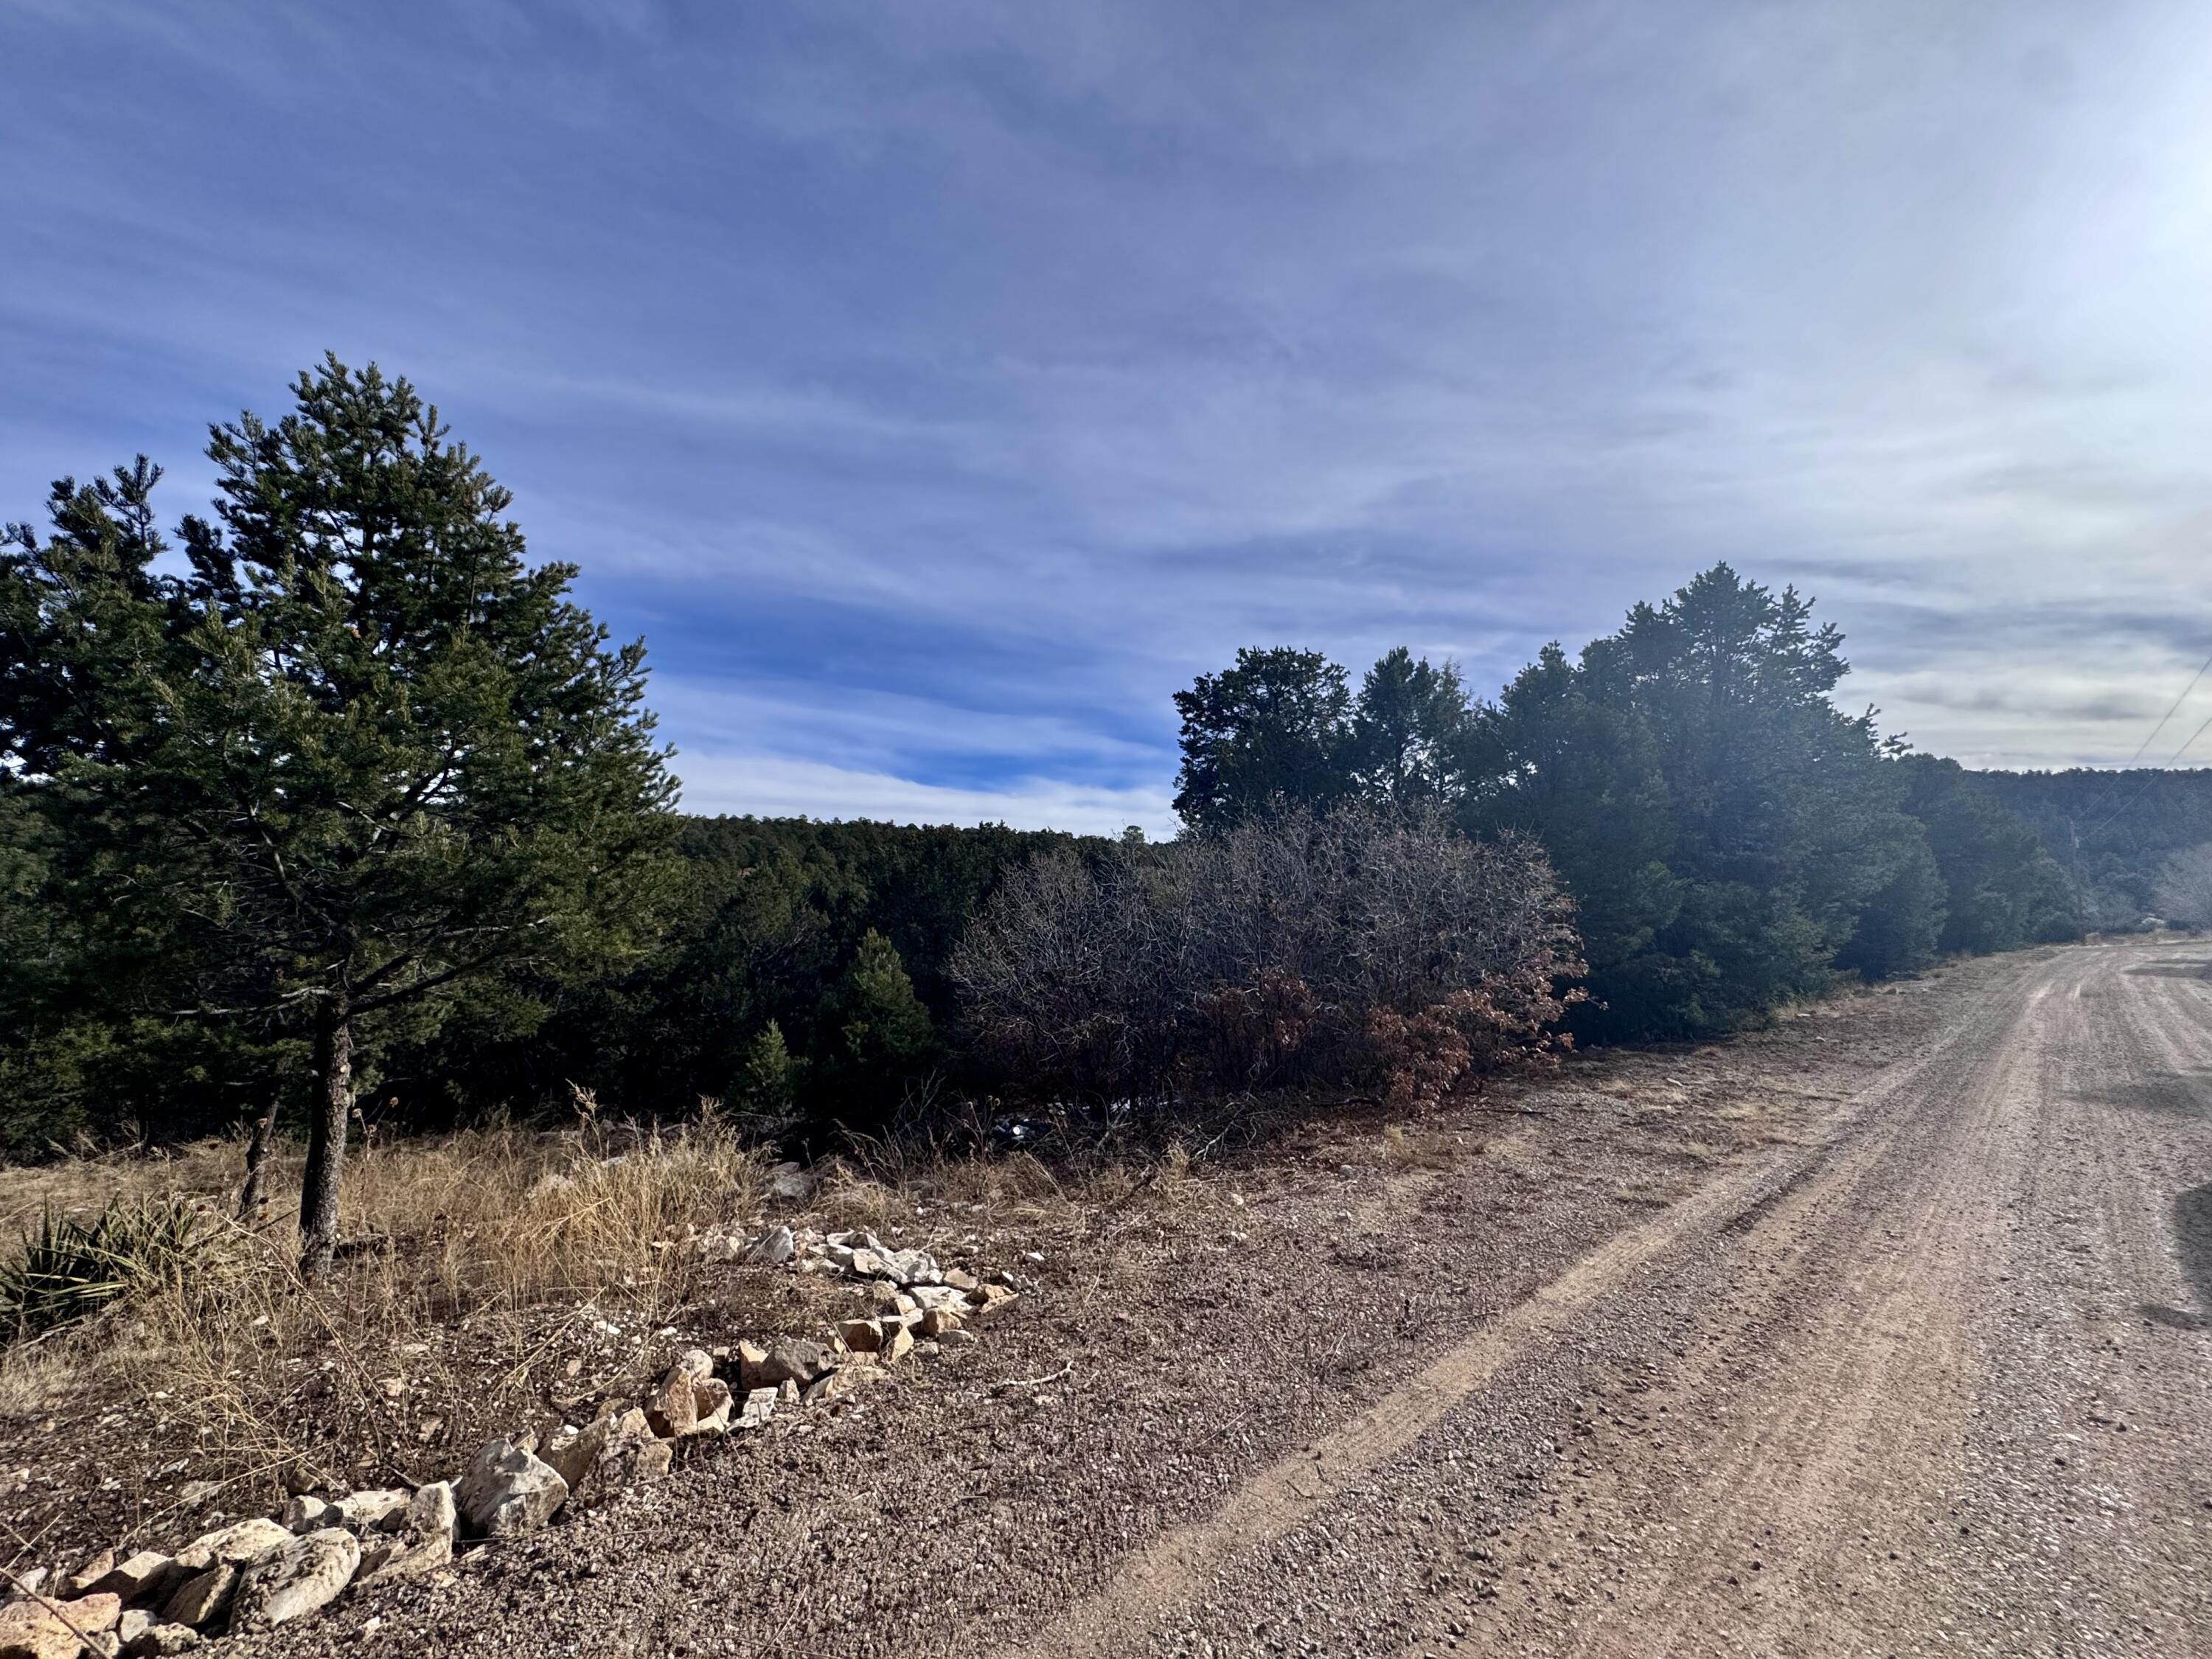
column 2176, row 1094
column 2193, row 1237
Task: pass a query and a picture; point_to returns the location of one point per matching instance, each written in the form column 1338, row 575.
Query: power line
column 2149, row 783
column 2203, row 668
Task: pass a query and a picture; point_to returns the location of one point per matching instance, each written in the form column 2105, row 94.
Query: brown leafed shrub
column 1353, row 948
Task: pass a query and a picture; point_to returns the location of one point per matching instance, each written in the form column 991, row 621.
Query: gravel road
column 1885, row 1334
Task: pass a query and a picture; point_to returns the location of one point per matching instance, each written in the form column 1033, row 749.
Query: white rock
column 507, row 1490
column 422, row 1543
column 772, row 1248
column 305, row 1576
column 759, row 1407
column 791, row 1182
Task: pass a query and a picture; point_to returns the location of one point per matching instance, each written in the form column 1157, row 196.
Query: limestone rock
column 305, row 1576
column 507, row 1490
column 772, row 1248
column 204, row 1598
column 309, row 1514
column 33, row 1630
column 235, row 1546
column 158, row 1641
column 759, row 1407
column 379, row 1510
column 789, row 1359
column 138, row 1577
column 422, row 1543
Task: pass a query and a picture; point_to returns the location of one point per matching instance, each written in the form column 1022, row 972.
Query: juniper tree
column 356, row 753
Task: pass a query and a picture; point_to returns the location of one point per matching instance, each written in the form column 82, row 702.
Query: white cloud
column 772, row 785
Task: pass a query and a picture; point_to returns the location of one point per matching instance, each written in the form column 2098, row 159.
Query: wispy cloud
column 939, row 387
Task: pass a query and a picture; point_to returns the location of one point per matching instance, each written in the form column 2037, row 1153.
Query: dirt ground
column 1883, row 1331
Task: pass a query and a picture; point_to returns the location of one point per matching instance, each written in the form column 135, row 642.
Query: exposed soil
column 1883, row 1332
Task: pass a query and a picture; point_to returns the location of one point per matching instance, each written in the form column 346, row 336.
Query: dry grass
column 480, row 1273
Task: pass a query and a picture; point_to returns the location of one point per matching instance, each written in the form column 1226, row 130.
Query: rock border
column 258, row 1573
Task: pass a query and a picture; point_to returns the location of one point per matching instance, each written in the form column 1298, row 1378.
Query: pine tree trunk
column 326, row 1141
column 250, row 1193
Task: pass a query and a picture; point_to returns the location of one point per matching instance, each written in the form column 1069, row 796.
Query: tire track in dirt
column 1768, row 1200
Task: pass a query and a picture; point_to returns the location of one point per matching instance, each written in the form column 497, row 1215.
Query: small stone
column 866, row 1264
column 939, row 1322
column 304, row 1577
column 772, row 1248
column 204, row 1598
column 236, row 1544
column 960, row 1279
column 898, row 1342
column 759, row 1407
column 790, row 1359
column 861, row 1335
column 507, row 1490
column 306, row 1515
column 139, row 1577
column 379, row 1510
column 928, row 1297
column 31, row 1630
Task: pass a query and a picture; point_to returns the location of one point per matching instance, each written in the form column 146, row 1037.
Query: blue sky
column 938, row 385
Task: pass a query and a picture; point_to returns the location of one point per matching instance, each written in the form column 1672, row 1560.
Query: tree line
column 329, row 809
column 1731, row 839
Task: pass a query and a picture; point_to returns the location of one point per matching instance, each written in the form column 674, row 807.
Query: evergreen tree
column 1722, row 825
column 1277, row 727
column 1412, row 733
column 359, row 755
column 873, row 1039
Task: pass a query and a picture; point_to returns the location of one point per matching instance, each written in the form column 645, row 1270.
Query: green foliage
column 358, row 754
column 1722, row 826
column 2109, row 832
column 71, row 1268
column 768, row 1078
column 1276, row 729
column 2002, row 890
column 873, row 1041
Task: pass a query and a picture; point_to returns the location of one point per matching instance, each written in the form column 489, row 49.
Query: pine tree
column 360, row 753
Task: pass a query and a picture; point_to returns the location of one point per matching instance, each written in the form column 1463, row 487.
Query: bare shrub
column 1354, row 947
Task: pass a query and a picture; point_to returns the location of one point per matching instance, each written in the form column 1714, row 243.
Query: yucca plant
column 71, row 1267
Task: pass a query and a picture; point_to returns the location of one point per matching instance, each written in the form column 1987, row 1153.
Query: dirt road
column 1922, row 1367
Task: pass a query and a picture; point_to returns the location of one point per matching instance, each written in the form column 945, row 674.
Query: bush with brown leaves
column 1354, row 948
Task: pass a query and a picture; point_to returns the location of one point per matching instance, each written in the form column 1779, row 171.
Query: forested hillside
column 2119, row 830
